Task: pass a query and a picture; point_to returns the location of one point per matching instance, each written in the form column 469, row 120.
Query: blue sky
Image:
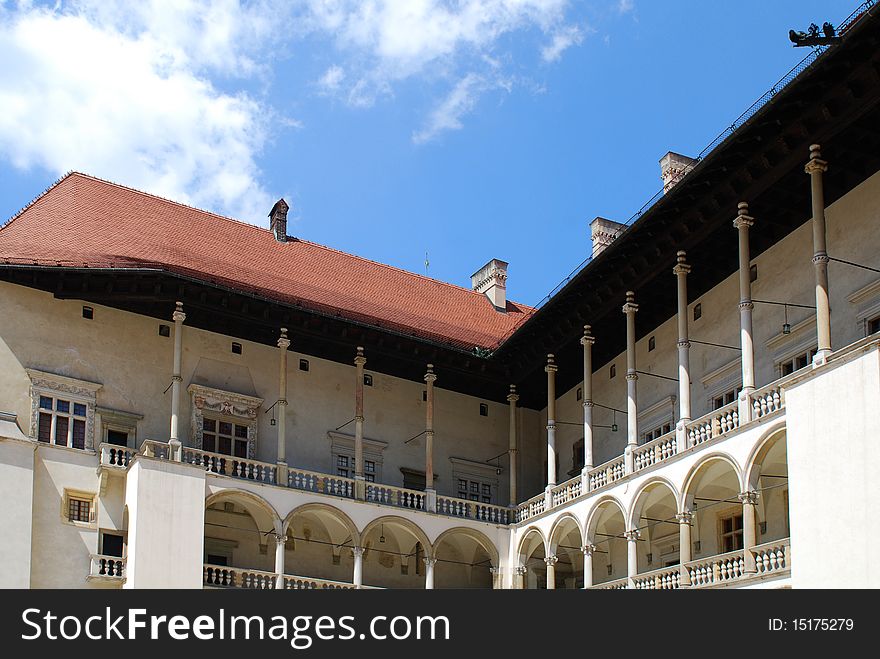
column 472, row 130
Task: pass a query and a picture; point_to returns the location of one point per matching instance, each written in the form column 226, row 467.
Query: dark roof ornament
column 812, row 36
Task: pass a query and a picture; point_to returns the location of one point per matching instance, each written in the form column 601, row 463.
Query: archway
column 319, row 543
column 532, row 552
column 566, row 543
column 711, row 494
column 465, row 558
column 654, row 515
column 768, row 475
column 605, row 531
column 395, row 551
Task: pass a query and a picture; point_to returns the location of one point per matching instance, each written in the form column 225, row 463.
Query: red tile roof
column 84, row 221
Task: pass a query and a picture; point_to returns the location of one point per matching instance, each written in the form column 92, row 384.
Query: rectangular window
column 304, row 365
column 484, row 409
column 874, row 325
column 613, row 371
column 368, row 380
column 78, row 509
column 224, row 437
column 656, row 433
column 726, row 398
column 117, row 437
column 370, row 471
column 796, row 363
column 111, row 544
column 62, row 422
column 652, row 344
column 474, row 490
column 731, row 533
column 698, row 311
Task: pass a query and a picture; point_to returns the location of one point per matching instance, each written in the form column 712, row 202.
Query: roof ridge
column 250, row 226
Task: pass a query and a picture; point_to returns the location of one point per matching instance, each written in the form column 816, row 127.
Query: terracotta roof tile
column 84, row 221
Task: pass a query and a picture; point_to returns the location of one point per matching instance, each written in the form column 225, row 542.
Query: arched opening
column 605, row 531
column 653, row 515
column 532, row 551
column 395, row 550
column 768, row 475
column 240, row 532
column 566, row 543
column 319, row 540
column 712, row 495
column 465, row 559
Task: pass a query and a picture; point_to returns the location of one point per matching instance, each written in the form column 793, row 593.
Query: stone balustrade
column 714, row 424
column 655, row 451
column 772, row 557
column 116, row 456
column 395, row 496
column 484, row 512
column 227, row 465
column 570, row 489
column 667, row 578
column 767, row 400
column 220, row 576
column 607, row 473
column 337, row 486
column 616, row 584
column 309, row 583
column 107, row 567
column 719, row 569
column 531, row 508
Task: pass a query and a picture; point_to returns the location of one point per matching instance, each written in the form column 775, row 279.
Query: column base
column 585, row 478
column 175, row 450
column 681, row 435
column 281, row 473
column 821, row 358
column 431, row 500
column 744, row 408
column 628, row 460
column 360, row 488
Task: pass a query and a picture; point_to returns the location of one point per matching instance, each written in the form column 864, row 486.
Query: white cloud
column 385, row 42
column 447, row 115
column 570, row 35
column 332, row 79
column 130, row 105
column 625, row 6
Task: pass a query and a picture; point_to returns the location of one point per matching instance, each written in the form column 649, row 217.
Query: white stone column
column 588, row 550
column 281, row 452
column 816, row 168
column 429, row 572
column 358, row 576
column 174, row 441
column 742, row 223
column 587, row 341
column 519, row 577
column 430, row 492
column 749, row 502
column 551, row 571
column 513, row 450
column 632, row 378
column 279, row 561
column 681, row 271
column 685, row 520
column 551, row 431
column 360, row 486
column 632, row 555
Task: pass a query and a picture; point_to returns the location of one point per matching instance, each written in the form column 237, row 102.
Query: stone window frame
column 223, row 405
column 342, row 444
column 866, row 301
column 480, row 472
column 67, row 388
column 91, row 497
column 720, row 381
column 120, row 421
column 656, row 416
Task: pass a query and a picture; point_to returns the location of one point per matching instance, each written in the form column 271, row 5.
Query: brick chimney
column 491, row 279
column 673, row 167
column 603, row 232
column 278, row 220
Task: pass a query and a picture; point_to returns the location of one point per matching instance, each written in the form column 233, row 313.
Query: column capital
column 521, row 570
column 632, row 535
column 551, row 364
column 743, row 219
column 430, row 376
column 552, row 559
column 816, row 164
column 588, row 403
column 749, row 498
column 279, row 538
column 587, row 338
column 283, row 341
column 357, row 552
column 178, row 316
column 512, row 397
column 630, row 306
column 681, row 265
column 495, row 570
column 359, row 359
column 430, row 561
column 685, row 517
column 822, row 257
column 588, row 549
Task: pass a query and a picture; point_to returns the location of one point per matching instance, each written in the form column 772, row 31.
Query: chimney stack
column 278, row 220
column 491, row 279
column 603, row 232
column 673, row 167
